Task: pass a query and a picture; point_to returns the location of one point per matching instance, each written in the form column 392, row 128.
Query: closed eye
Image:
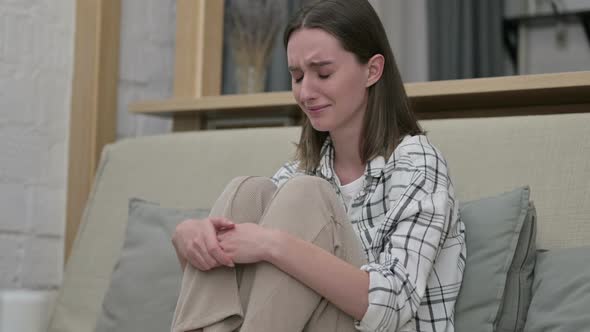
column 299, row 79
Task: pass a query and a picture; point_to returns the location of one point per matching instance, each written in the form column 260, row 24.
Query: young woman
column 360, row 231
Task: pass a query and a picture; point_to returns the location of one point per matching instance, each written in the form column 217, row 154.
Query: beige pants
column 260, row 297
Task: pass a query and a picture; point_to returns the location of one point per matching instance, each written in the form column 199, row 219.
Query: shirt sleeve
column 410, row 240
column 287, row 171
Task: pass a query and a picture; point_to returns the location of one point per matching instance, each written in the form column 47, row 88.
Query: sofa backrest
column 550, row 153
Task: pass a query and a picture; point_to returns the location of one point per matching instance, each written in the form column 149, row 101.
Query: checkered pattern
column 408, row 222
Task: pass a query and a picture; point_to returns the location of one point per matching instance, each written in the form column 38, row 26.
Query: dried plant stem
column 253, row 27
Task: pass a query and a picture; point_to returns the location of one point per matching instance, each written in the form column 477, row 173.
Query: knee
column 253, row 186
column 305, row 185
column 245, row 198
column 252, row 183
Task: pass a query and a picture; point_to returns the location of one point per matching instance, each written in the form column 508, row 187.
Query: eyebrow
column 313, row 64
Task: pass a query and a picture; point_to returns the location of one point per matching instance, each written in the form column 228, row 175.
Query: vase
column 250, row 79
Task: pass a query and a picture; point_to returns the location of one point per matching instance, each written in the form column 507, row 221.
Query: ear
column 375, row 69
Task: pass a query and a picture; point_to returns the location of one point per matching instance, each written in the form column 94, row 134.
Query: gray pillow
column 145, row 282
column 518, row 291
column 493, row 229
column 561, row 291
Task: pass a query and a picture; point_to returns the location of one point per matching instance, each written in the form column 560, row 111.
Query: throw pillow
column 493, row 227
column 146, row 280
column 561, row 291
column 518, row 291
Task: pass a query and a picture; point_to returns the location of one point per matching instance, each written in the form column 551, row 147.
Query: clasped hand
column 217, row 241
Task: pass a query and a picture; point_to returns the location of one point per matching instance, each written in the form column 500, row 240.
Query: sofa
column 546, row 156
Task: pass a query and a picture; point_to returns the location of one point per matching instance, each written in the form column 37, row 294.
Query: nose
column 307, row 91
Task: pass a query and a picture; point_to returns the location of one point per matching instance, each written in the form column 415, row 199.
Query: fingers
column 217, row 252
column 210, row 261
column 221, row 223
column 200, row 259
column 199, row 262
column 196, row 242
column 221, row 257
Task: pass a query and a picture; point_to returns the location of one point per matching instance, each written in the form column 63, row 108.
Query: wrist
column 274, row 242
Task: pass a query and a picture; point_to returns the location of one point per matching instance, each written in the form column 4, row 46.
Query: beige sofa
column 550, row 153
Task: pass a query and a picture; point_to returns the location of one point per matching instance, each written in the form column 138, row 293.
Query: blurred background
column 432, row 40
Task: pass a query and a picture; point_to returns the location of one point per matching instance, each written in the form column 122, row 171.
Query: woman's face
column 328, row 83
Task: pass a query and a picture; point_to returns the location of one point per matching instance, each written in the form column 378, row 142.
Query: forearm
column 341, row 283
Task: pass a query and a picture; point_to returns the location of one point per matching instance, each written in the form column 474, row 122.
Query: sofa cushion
column 145, row 283
column 493, row 229
column 561, row 291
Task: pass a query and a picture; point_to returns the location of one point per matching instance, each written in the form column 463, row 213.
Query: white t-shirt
column 349, row 191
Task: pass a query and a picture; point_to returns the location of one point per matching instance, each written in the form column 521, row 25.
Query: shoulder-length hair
column 388, row 117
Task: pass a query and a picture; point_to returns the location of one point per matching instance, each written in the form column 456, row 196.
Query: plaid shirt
column 408, row 222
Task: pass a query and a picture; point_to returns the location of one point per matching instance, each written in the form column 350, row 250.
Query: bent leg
column 308, row 208
column 210, row 301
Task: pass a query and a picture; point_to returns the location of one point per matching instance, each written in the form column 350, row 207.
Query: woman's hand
column 195, row 242
column 246, row 243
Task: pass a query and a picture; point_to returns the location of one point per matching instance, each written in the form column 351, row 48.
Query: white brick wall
column 146, row 64
column 11, row 252
column 36, row 59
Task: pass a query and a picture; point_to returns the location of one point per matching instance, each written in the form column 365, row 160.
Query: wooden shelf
column 229, row 103
column 428, row 98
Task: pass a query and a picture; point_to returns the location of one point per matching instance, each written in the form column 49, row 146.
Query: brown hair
column 388, row 117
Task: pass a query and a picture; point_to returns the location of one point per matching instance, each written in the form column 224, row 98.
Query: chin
column 319, row 125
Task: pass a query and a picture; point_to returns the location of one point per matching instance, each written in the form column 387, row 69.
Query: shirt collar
column 374, row 167
column 326, row 166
